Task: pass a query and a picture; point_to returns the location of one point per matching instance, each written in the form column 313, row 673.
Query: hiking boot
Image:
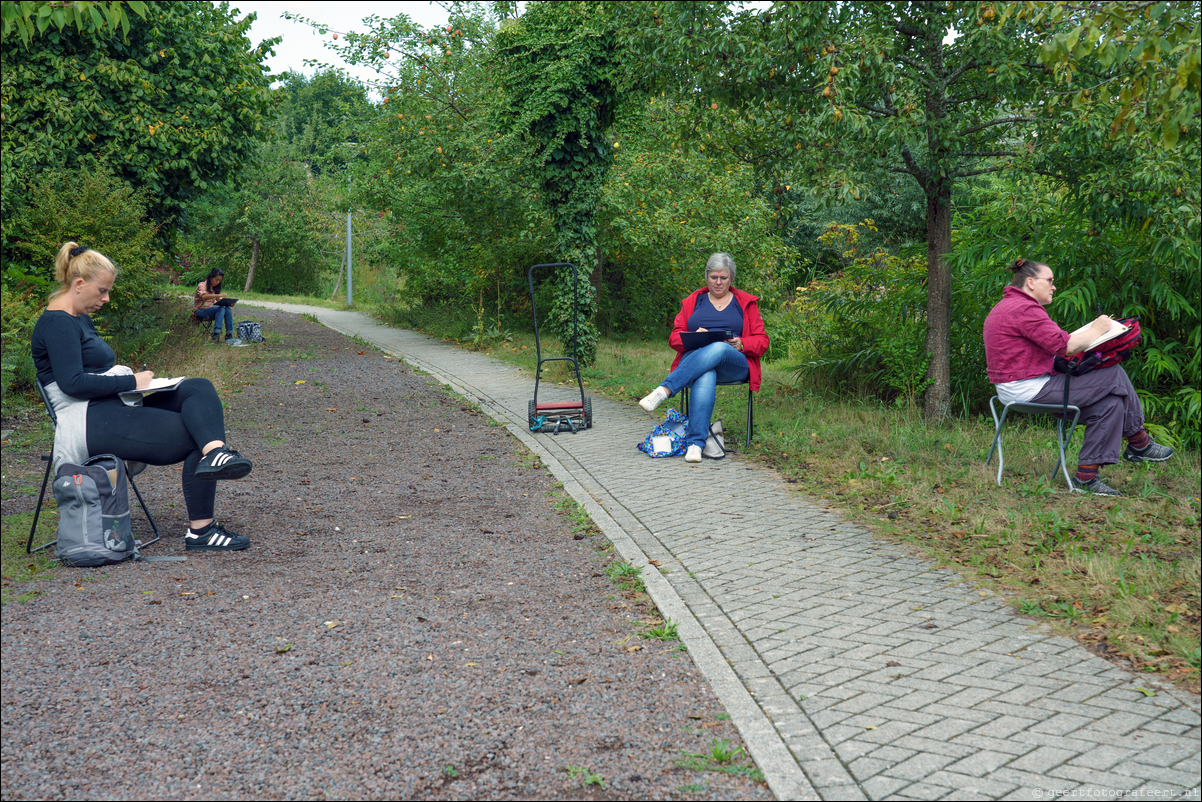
column 654, row 398
column 1152, row 452
column 215, row 537
column 223, row 462
column 215, row 338
column 1094, row 486
column 693, row 454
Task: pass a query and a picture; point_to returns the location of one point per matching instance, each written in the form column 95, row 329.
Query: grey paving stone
column 1185, row 778
column 1062, row 723
column 1041, row 759
column 920, row 766
column 851, row 749
column 922, row 790
column 826, row 773
column 865, row 767
column 1009, row 745
column 980, row 763
column 1182, row 715
column 967, row 785
column 919, row 744
column 944, row 728
column 883, row 787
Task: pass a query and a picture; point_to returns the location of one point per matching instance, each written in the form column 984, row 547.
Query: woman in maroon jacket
column 1021, row 344
column 716, row 307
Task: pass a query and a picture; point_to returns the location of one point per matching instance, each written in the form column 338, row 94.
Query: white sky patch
column 303, row 42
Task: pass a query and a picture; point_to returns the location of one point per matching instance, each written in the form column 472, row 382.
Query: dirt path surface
column 413, row 620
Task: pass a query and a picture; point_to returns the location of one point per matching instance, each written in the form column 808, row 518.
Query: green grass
column 586, row 777
column 665, row 631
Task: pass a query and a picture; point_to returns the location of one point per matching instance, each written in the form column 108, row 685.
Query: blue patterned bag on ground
column 667, row 438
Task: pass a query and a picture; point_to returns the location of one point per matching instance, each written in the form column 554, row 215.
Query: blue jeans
column 700, row 371
column 218, row 314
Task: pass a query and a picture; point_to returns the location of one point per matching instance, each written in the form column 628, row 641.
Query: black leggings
column 171, row 427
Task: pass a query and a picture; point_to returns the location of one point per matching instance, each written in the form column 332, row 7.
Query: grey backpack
column 93, row 513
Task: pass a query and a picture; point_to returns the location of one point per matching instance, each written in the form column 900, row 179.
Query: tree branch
column 951, row 79
column 1015, row 118
column 986, row 154
column 981, row 171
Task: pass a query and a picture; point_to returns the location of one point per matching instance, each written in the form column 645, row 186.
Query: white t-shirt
column 1021, row 391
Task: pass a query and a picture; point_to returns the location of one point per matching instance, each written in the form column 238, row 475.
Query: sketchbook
column 1116, row 328
column 227, row 302
column 133, row 398
column 692, row 340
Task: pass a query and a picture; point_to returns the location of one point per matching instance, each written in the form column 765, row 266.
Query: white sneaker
column 693, row 454
column 654, row 398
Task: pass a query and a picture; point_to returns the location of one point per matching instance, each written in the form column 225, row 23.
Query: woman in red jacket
column 716, row 307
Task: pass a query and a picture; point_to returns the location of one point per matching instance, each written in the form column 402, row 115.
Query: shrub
column 862, row 329
column 93, row 208
column 18, row 313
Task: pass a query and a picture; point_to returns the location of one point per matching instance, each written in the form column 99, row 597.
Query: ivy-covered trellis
column 560, row 68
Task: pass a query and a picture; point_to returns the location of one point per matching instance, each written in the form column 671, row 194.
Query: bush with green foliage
column 18, row 313
column 860, row 330
column 174, row 101
column 96, row 209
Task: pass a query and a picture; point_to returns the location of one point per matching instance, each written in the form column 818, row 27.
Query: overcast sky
column 302, row 42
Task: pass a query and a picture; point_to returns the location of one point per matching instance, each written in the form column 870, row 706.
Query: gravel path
column 412, row 620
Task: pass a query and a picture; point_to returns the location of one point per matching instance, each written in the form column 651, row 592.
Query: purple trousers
column 1110, row 410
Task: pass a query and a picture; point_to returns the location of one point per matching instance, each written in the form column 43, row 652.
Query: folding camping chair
column 684, row 407
column 1064, row 434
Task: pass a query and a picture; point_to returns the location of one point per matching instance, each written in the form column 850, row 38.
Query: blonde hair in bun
column 76, row 261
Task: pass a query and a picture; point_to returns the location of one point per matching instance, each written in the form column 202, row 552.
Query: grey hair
column 720, row 261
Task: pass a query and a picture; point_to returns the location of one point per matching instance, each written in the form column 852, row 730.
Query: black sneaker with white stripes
column 223, row 463
column 215, row 537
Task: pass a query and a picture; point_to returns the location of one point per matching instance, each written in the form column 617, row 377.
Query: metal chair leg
column 1063, row 440
column 750, row 418
column 37, row 511
column 145, row 509
column 997, row 439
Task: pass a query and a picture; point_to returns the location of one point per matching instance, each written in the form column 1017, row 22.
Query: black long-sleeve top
column 67, row 350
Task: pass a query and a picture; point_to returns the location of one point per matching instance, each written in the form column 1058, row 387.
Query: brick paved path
column 852, row 669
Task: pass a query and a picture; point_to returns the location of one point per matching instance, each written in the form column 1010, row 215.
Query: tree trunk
column 254, row 260
column 937, row 400
column 338, row 283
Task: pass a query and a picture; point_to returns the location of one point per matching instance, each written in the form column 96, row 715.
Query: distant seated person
column 78, row 372
column 717, row 307
column 206, row 307
column 1021, row 344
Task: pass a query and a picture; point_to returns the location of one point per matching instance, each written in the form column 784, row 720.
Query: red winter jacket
column 755, row 339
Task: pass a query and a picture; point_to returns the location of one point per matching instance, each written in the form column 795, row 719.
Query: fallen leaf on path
column 281, row 649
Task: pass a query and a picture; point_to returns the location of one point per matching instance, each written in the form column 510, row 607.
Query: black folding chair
column 49, row 460
column 684, row 407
